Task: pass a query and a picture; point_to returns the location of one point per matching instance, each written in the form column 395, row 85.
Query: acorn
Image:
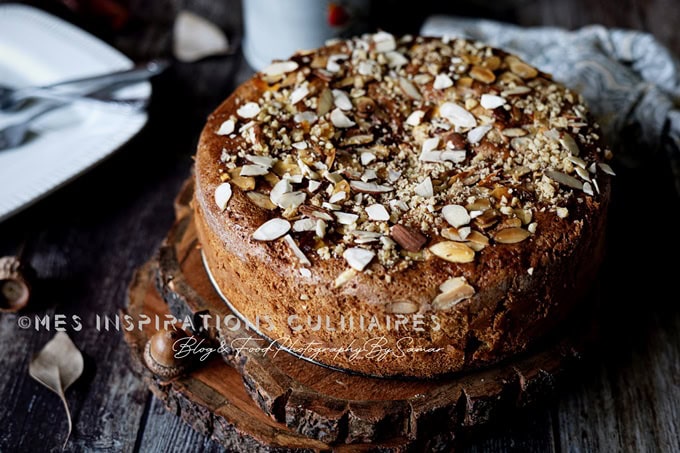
column 160, row 354
column 15, row 289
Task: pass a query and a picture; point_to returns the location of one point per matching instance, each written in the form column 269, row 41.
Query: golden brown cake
column 402, row 207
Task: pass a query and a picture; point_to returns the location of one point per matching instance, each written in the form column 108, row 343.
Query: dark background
column 86, row 240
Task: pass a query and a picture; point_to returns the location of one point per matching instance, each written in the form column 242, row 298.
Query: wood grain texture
column 86, row 239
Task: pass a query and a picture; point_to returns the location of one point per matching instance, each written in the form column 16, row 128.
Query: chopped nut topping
column 412, row 149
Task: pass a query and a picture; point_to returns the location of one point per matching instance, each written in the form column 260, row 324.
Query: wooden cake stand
column 255, row 402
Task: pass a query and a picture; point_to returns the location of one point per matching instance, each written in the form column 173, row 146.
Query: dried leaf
column 58, row 365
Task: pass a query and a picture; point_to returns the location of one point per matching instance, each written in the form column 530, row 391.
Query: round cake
column 402, row 206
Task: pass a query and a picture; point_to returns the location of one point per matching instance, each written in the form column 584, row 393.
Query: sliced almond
column 345, row 218
column 296, row 250
column 325, row 102
column 261, row 200
column 242, row 182
column 482, row 74
column 253, row 170
column 487, row 219
column 422, row 79
column 415, row 118
column 280, row 67
column 490, row 101
column 516, row 91
column 409, row 88
column 477, row 134
column 480, row 204
column 606, row 168
column 384, row 42
column 456, row 234
column 454, row 252
column 291, row 200
column 477, row 241
column 457, row 115
column 365, row 237
column 456, row 215
column 264, row 161
column 457, row 290
column 522, row 69
column 524, row 215
column 305, row 117
column 583, row 173
column 226, row 128
column 299, row 94
column 564, row 179
column 377, row 212
column 272, row 229
column 248, row 110
column 222, row 195
column 511, row 235
column 341, row 100
column 514, row 132
column 367, row 157
column 402, row 307
column 345, row 277
column 570, row 144
column 430, row 144
column 359, row 139
column 451, row 284
column 313, row 186
column 304, row 225
column 425, row 189
column 395, row 59
column 332, row 64
column 370, row 187
column 409, row 239
column 281, row 188
column 315, row 212
column 340, row 120
column 588, row 189
column 358, row 258
column 442, row 82
column 454, row 155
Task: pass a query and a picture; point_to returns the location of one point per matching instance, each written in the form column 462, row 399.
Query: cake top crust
column 394, row 151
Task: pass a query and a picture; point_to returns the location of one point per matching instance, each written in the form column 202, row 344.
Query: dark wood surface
column 86, row 240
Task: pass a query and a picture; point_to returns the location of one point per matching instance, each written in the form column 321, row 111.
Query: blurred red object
column 337, row 15
column 113, row 14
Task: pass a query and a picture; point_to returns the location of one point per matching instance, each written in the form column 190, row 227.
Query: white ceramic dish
column 37, row 48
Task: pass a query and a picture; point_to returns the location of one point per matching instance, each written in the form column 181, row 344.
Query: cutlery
column 75, row 89
column 15, row 134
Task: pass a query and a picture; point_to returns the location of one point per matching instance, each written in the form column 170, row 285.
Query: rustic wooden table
column 86, row 240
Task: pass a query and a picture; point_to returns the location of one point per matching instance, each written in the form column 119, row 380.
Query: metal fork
column 15, row 134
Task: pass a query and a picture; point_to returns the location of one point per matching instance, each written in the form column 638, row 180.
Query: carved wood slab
column 212, row 397
column 339, row 408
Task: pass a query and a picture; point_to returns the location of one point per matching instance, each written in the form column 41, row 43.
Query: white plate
column 37, row 48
